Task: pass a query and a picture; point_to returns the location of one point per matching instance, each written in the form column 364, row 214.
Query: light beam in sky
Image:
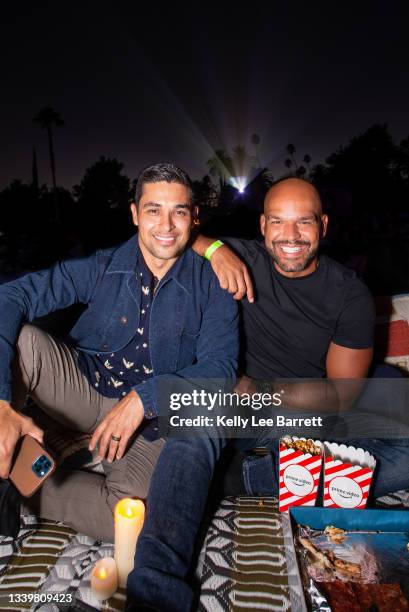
column 239, row 182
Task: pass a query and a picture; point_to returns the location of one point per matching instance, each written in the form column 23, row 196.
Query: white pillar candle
column 129, row 516
column 104, row 578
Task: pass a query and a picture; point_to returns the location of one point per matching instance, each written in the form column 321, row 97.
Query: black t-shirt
column 286, row 333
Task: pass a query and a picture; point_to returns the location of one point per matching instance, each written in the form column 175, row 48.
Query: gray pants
column 47, row 370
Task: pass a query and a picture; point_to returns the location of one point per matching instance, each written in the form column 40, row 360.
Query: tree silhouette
column 291, row 152
column 307, row 160
column 371, row 168
column 48, row 118
column 205, row 193
column 221, row 166
column 26, row 218
column 103, row 198
column 288, row 164
column 402, row 161
column 34, row 183
column 255, row 141
column 301, row 171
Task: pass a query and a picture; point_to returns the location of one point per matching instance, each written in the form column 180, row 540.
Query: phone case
column 32, row 465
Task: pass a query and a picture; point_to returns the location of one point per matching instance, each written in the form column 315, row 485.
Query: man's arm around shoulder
column 229, row 268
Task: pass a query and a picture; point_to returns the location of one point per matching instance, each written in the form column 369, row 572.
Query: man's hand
column 13, row 426
column 245, row 385
column 232, row 273
column 122, row 421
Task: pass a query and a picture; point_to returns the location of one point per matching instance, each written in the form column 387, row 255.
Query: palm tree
column 301, row 171
column 288, row 163
column 307, row 160
column 291, row 151
column 221, row 165
column 34, row 183
column 47, row 118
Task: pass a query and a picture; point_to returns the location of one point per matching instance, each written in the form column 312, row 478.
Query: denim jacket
column 193, row 325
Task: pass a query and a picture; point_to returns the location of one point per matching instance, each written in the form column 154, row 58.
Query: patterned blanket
column 247, row 560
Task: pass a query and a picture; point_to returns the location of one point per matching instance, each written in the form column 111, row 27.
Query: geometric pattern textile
column 247, row 562
column 49, row 558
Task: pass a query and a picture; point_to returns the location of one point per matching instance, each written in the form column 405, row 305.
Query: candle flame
column 102, row 574
column 130, row 508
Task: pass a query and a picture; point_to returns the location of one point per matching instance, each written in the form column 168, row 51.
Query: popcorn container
column 300, row 469
column 348, row 473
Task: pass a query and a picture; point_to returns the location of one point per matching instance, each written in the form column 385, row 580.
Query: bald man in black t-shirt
column 308, row 317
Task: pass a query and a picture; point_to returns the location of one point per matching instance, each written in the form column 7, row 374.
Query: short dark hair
column 170, row 173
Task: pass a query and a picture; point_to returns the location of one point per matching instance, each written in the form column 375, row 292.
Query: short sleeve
column 355, row 325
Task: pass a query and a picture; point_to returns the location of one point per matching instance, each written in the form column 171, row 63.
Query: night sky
column 147, row 85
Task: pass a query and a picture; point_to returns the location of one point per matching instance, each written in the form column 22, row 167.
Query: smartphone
column 32, row 465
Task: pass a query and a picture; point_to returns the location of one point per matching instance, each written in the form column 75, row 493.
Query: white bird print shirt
column 114, row 374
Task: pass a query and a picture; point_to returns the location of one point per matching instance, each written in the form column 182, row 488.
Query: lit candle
column 129, row 515
column 104, row 578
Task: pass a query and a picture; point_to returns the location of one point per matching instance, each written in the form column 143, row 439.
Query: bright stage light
column 239, row 182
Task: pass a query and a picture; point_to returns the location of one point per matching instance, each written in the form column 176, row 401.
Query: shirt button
column 124, row 320
column 104, row 347
column 149, row 414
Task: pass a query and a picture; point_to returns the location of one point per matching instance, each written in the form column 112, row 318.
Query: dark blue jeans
column 176, row 504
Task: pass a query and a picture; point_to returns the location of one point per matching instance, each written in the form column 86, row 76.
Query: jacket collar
column 125, row 257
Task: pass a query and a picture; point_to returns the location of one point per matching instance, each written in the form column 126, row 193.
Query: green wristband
column 212, row 248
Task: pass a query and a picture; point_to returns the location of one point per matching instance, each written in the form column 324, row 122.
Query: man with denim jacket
column 154, row 309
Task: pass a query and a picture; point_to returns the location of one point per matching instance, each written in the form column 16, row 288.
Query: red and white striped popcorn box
column 348, row 473
column 299, row 473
